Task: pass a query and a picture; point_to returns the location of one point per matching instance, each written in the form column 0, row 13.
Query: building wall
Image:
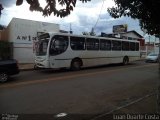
column 142, row 42
column 23, row 34
column 23, row 53
column 131, row 34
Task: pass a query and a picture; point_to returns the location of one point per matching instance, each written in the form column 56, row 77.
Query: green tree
column 5, row 50
column 1, row 8
column 2, row 27
column 146, row 11
column 50, row 7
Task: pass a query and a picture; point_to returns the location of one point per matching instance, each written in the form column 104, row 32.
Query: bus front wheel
column 125, row 60
column 76, row 65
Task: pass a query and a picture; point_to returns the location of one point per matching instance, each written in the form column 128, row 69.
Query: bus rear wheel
column 125, row 60
column 76, row 65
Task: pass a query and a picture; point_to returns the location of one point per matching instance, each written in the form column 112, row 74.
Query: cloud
column 84, row 17
column 8, row 3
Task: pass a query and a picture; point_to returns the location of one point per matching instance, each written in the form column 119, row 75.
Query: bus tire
column 125, row 60
column 76, row 64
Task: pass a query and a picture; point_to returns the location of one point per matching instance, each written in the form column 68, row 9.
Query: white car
column 152, row 57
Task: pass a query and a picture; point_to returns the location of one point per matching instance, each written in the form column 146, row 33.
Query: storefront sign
column 120, row 28
column 26, row 38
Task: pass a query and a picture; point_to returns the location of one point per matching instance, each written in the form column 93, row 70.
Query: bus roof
column 87, row 36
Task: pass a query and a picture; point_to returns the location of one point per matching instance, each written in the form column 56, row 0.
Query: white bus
column 60, row 50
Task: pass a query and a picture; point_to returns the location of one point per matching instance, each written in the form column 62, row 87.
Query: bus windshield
column 58, row 45
column 42, row 45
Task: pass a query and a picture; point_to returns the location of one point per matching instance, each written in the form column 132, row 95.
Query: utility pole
column 155, row 44
column 149, row 39
column 70, row 29
column 158, row 89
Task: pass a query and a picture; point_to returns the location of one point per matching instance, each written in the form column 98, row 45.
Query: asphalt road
column 91, row 91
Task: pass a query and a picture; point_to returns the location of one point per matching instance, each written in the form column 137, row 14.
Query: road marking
column 68, row 77
column 124, row 106
column 61, row 115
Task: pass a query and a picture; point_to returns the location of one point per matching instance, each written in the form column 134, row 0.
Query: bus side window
column 59, row 44
column 105, row 44
column 125, row 46
column 137, row 46
column 92, row 44
column 116, row 45
column 132, row 46
column 77, row 43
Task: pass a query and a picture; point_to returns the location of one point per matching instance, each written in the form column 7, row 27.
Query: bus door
column 58, row 46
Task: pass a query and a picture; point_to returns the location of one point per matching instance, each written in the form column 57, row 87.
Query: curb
column 29, row 69
column 142, row 59
column 26, row 67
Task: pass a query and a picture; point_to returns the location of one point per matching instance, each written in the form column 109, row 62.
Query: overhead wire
column 99, row 15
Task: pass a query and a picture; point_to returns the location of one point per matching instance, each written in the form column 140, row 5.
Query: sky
column 83, row 18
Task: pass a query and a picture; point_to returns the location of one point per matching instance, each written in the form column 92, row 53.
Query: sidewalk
column 30, row 66
column 26, row 66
